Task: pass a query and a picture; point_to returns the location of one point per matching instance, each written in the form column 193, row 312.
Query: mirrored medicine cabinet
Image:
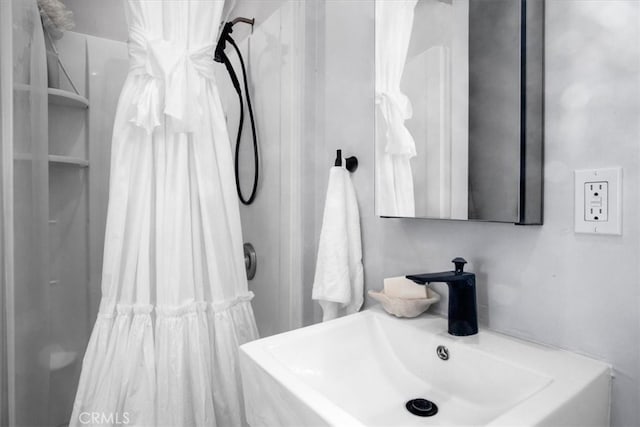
column 459, row 109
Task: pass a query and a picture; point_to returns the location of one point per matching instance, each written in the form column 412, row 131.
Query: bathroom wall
column 99, row 18
column 78, row 193
column 270, row 55
column 547, row 284
column 26, row 294
column 106, row 19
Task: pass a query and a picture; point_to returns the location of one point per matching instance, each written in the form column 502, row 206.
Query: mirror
column 459, row 104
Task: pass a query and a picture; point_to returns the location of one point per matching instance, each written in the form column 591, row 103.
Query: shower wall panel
column 68, row 230
column 270, row 55
column 78, row 204
column 108, row 65
column 26, row 243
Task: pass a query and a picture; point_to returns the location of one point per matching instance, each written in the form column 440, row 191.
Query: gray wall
column 106, row 18
column 100, row 18
column 547, row 284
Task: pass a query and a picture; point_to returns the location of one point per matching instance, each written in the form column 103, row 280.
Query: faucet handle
column 459, row 263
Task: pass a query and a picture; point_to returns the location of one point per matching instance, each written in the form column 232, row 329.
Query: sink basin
column 361, row 370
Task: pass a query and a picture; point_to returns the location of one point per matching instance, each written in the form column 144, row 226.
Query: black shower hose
column 221, row 56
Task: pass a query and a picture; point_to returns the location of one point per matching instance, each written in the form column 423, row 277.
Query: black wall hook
column 350, row 163
column 338, row 161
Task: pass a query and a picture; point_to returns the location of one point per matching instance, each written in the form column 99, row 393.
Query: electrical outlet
column 598, row 201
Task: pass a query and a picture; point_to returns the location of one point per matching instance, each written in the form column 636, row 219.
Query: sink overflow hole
column 442, row 352
column 422, row 407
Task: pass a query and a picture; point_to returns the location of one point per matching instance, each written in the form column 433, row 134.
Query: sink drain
column 422, row 407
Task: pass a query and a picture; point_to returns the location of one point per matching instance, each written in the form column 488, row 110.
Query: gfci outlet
column 598, row 201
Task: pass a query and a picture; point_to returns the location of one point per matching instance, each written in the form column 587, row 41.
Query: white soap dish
column 406, row 307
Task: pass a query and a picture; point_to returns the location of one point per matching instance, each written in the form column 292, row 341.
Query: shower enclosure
column 273, row 52
column 25, row 349
column 55, row 155
column 54, row 168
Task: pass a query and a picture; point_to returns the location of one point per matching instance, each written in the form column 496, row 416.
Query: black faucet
column 463, row 313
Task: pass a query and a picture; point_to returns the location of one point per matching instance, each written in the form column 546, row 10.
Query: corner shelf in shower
column 58, row 96
column 60, row 359
column 66, row 98
column 56, row 160
column 67, row 160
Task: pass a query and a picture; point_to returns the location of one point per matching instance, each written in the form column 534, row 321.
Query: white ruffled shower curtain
column 394, row 144
column 175, row 304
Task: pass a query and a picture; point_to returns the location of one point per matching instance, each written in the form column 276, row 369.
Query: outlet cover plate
column 612, row 222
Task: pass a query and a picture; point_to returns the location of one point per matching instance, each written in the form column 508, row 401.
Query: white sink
column 360, row 370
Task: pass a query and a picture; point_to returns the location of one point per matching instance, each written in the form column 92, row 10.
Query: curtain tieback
column 176, row 80
column 395, row 109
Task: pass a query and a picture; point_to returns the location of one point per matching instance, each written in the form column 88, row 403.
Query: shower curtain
column 175, row 305
column 394, row 144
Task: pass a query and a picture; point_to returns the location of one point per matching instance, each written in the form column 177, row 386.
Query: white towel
column 338, row 283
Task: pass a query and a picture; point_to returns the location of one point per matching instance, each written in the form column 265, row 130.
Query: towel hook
column 350, row 163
